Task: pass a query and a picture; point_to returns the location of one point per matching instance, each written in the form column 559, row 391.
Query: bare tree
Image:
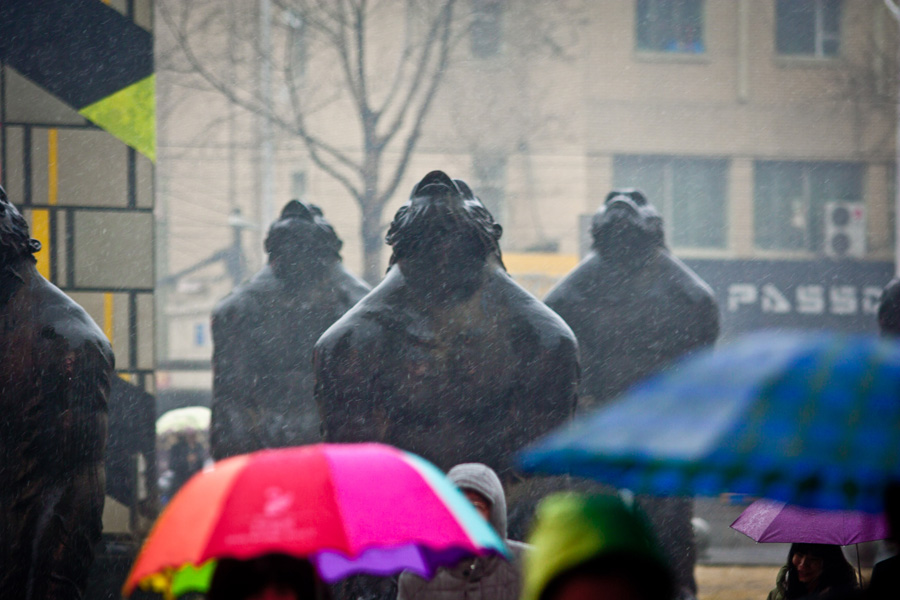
column 390, row 98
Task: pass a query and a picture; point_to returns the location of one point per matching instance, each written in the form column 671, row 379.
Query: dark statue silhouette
column 889, row 309
column 447, row 357
column 55, row 370
column 635, row 308
column 264, row 332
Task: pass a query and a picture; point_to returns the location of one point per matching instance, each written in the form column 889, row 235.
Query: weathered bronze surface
column 636, row 308
column 447, row 357
column 55, row 370
column 264, row 332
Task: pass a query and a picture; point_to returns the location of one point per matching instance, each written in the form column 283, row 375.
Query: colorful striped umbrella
column 808, row 418
column 353, row 508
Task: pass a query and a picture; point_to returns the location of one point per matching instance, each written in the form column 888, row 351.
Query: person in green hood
column 586, row 547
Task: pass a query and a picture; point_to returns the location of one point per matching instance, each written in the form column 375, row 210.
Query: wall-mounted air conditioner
column 845, row 229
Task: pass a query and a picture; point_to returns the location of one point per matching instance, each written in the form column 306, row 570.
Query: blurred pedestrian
column 586, row 547
column 186, row 457
column 814, row 571
column 889, row 309
column 480, row 578
column 270, row 577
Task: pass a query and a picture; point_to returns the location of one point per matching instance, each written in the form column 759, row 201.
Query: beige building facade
column 763, row 130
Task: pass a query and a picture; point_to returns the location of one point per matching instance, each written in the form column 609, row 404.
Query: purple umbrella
column 770, row 521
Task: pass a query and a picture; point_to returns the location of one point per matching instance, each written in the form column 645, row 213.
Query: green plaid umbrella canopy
column 807, row 418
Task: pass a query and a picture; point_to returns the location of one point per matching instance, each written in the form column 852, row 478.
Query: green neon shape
column 130, row 115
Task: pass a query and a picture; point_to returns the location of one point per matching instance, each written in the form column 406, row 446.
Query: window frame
column 820, row 36
column 813, row 234
column 666, row 205
column 674, row 53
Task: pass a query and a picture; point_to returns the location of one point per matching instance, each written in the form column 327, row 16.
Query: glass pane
column 113, row 249
column 644, row 173
column 831, row 47
column 831, row 182
column 795, row 27
column 699, row 197
column 831, row 16
column 780, row 207
column 670, row 26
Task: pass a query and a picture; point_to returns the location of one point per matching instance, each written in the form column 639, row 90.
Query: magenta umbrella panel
column 771, row 521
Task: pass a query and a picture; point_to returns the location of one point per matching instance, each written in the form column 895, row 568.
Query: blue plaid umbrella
column 807, row 418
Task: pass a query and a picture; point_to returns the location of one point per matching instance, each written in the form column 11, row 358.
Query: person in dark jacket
column 481, row 578
column 186, row 457
column 814, row 571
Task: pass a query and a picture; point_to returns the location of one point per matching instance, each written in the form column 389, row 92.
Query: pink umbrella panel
column 771, row 521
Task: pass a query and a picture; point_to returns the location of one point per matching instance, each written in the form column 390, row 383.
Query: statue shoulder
column 350, row 285
column 360, row 325
column 248, row 297
column 577, row 285
column 529, row 316
column 59, row 318
column 688, row 282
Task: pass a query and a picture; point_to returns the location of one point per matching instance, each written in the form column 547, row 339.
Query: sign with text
column 814, row 294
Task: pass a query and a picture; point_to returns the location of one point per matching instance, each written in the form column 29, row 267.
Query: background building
column 763, row 130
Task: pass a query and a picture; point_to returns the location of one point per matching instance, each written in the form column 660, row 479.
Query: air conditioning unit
column 845, row 229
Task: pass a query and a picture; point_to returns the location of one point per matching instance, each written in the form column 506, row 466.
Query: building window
column 486, row 35
column 790, row 200
column 808, row 27
column 670, row 26
column 490, row 177
column 690, row 194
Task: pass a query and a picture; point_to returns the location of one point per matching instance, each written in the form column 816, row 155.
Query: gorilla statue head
column 301, row 241
column 15, row 243
column 443, row 235
column 627, row 228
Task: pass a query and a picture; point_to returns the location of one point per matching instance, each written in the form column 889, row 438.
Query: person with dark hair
column 814, row 571
column 594, row 546
column 270, row 577
column 889, row 309
column 186, row 457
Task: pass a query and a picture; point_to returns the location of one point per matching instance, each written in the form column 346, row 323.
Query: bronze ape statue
column 447, row 357
column 634, row 308
column 264, row 332
column 55, row 369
